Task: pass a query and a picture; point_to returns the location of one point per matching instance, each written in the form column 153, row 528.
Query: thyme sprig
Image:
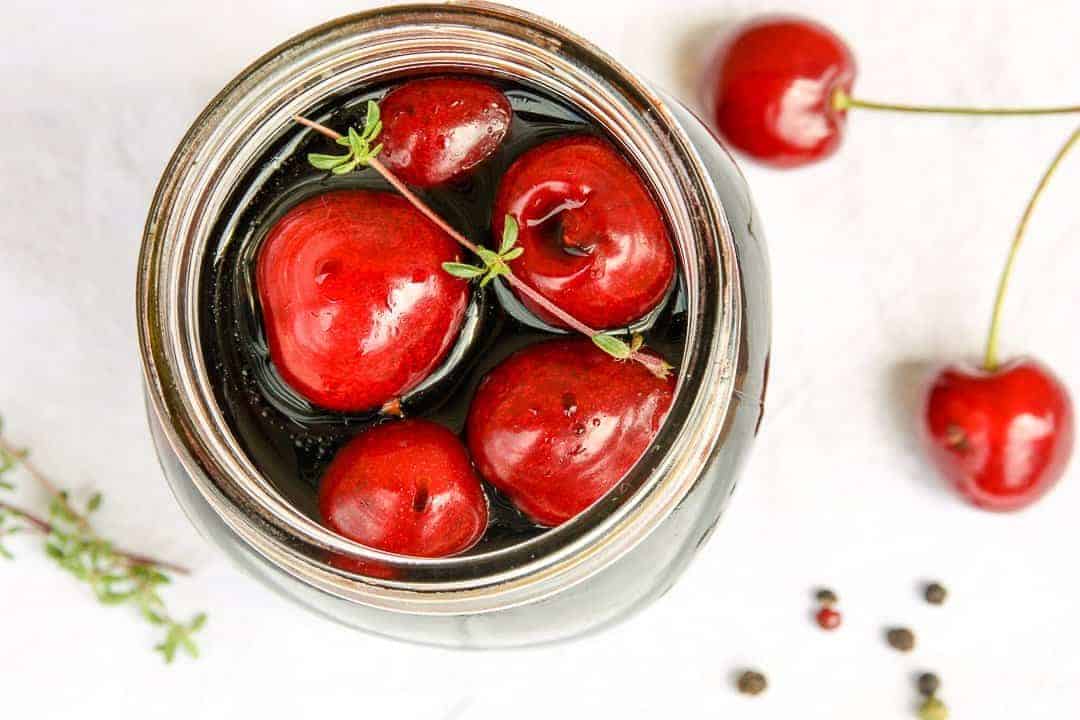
column 495, row 264
column 359, row 143
column 116, row 577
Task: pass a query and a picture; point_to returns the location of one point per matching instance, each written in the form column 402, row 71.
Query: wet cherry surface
column 291, row 440
column 558, row 424
column 437, row 129
column 1002, row 438
column 356, row 306
column 595, row 241
column 405, row 487
column 770, row 89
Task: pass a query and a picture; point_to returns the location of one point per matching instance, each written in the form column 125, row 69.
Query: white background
column 884, row 258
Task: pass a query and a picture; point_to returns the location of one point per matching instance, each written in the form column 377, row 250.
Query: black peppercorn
column 751, row 682
column 826, row 597
column 901, row 638
column 929, row 684
column 935, row 593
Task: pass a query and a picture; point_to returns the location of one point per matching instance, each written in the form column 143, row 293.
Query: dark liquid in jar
column 289, row 440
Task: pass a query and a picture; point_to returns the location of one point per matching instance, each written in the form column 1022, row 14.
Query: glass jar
column 612, row 559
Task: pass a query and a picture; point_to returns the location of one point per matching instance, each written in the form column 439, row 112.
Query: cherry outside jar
column 602, row 565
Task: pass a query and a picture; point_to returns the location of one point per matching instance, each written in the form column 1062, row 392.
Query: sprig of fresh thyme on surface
column 115, row 576
column 362, row 153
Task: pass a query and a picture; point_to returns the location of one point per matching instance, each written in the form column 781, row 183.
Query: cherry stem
column 990, row 360
column 842, row 101
column 655, row 365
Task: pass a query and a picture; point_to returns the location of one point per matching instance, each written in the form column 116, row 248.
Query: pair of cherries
column 779, row 89
column 555, row 426
column 358, row 310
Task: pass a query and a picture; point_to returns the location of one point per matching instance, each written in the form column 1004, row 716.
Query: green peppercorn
column 826, row 597
column 751, row 682
column 935, row 593
column 929, row 683
column 901, row 638
column 933, row 709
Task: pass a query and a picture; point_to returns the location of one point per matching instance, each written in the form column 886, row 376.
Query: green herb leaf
column 510, row 234
column 372, row 118
column 327, row 162
column 490, row 257
column 197, row 622
column 462, row 270
column 95, row 503
column 612, row 345
column 345, row 168
column 513, row 254
column 356, row 143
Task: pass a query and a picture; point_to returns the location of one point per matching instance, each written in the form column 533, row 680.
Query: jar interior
column 288, row 439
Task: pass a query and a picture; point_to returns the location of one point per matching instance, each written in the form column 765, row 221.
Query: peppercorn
column 901, row 638
column 751, row 682
column 828, row 619
column 929, row 683
column 933, row 709
column 935, row 593
column 826, row 597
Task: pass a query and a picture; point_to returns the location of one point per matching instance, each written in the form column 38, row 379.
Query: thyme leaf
column 115, row 577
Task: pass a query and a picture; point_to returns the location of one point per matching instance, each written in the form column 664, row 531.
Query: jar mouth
column 234, row 131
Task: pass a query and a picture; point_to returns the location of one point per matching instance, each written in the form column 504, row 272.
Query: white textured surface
column 884, row 257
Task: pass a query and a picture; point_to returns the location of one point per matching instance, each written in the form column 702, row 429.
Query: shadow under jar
column 242, row 453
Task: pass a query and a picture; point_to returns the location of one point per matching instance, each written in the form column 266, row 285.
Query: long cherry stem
column 990, row 360
column 842, row 101
column 655, row 365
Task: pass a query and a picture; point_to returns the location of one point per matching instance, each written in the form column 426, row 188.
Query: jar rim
column 231, row 133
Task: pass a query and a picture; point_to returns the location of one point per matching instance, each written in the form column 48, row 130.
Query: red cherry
column 1002, row 438
column 771, row 87
column 356, row 305
column 1002, row 434
column 558, row 424
column 595, row 241
column 439, row 128
column 405, row 487
column 828, row 619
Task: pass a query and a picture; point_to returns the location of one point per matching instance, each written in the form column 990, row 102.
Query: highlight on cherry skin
column 356, row 307
column 779, row 88
column 594, row 238
column 405, row 487
column 437, row 129
column 558, row 424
